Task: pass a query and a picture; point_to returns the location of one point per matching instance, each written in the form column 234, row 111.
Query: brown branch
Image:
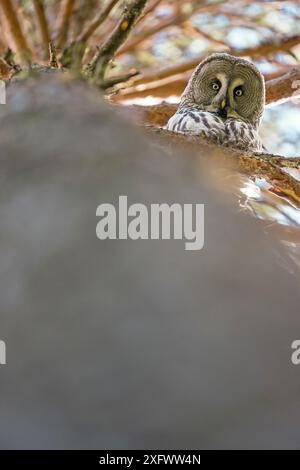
column 116, row 79
column 156, row 115
column 42, row 24
column 5, row 70
column 100, row 18
column 64, row 22
column 270, row 48
column 282, row 162
column 105, row 54
column 264, row 165
column 52, row 56
column 3, row 44
column 149, row 9
column 15, row 30
column 174, row 20
column 180, row 15
column 84, row 11
column 205, row 8
column 194, row 31
column 169, row 86
column 190, row 64
column 284, row 87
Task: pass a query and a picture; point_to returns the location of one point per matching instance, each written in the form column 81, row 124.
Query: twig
column 112, row 81
column 104, row 55
column 279, row 160
column 9, row 58
column 173, row 20
column 196, row 31
column 83, row 12
column 64, row 22
column 2, row 39
column 52, row 53
column 149, row 9
column 42, row 23
column 5, row 70
column 164, row 88
column 100, row 18
column 15, row 29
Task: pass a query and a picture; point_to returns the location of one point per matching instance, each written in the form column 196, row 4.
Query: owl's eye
column 216, row 86
column 238, row 91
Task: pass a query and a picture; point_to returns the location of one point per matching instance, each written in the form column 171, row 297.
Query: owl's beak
column 225, row 111
column 222, row 108
column 219, row 107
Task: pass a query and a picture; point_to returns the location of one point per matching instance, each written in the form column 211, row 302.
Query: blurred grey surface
column 132, row 344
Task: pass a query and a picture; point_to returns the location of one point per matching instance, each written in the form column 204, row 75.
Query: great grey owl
column 224, row 101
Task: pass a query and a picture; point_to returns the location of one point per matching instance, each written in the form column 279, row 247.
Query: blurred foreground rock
column 132, row 344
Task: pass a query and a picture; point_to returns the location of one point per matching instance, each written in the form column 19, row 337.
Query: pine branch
column 271, row 167
column 3, row 44
column 115, row 80
column 64, row 22
column 105, row 54
column 16, row 32
column 83, row 12
column 149, row 9
column 42, row 24
column 73, row 54
column 284, row 87
column 175, row 19
column 5, row 70
column 52, row 56
column 100, row 18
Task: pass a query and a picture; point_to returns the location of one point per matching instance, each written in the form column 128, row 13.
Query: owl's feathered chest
column 228, row 132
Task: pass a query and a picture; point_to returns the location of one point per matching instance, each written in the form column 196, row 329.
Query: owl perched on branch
column 224, row 101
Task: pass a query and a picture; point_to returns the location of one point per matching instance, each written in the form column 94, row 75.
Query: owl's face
column 229, row 86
